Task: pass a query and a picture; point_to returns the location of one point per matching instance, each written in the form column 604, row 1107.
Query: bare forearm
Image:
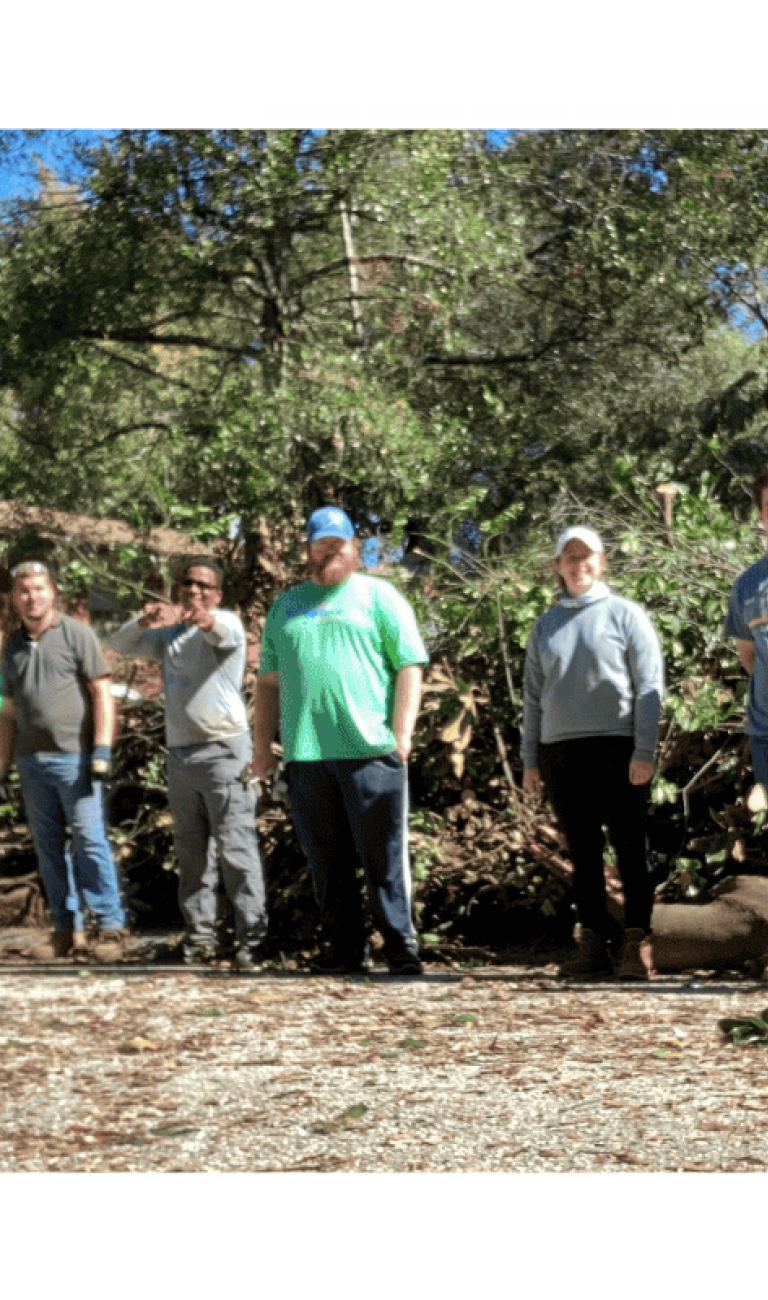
column 7, row 738
column 746, row 654
column 103, row 713
column 406, row 707
column 266, row 713
column 266, row 719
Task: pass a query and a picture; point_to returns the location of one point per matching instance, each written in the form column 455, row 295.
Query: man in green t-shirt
column 341, row 676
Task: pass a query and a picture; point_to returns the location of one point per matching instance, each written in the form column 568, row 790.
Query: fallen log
column 727, row 932
column 48, row 522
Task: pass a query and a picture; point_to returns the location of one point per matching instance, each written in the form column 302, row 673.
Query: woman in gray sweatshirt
column 593, row 687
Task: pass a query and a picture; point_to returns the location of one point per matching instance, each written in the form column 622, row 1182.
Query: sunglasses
column 189, row 583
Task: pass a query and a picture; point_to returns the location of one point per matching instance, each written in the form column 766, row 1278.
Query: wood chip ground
column 504, row 1069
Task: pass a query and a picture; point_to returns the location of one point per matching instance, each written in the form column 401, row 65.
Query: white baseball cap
column 585, row 535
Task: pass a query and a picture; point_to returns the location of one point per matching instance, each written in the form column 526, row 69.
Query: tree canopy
column 429, row 327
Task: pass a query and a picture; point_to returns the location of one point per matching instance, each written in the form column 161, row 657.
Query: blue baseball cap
column 329, row 521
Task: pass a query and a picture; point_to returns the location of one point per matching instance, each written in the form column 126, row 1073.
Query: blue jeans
column 351, row 816
column 58, row 793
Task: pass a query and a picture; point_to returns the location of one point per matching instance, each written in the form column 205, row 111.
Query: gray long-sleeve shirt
column 202, row 676
column 593, row 667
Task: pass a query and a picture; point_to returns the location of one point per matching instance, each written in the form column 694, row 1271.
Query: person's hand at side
column 532, row 782
column 264, row 762
column 406, row 708
column 640, row 773
column 266, row 715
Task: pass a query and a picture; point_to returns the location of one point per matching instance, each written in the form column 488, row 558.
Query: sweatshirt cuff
column 218, row 633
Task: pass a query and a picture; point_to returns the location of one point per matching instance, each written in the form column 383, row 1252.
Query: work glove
column 101, row 760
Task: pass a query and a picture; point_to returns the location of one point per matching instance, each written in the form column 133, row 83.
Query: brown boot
column 634, row 960
column 591, row 955
column 56, row 945
column 109, row 945
column 79, row 950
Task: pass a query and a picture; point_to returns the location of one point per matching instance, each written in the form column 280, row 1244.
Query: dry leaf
column 455, row 731
column 468, row 700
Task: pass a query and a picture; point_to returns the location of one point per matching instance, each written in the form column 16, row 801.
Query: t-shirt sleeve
column 401, row 637
column 90, row 654
column 735, row 623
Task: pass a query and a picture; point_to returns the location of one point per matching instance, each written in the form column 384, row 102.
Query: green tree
column 192, row 318
column 425, row 327
column 613, row 335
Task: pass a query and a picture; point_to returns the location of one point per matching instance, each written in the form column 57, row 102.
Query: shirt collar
column 598, row 591
column 53, row 623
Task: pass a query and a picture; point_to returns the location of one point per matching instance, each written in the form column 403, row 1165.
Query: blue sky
column 53, row 149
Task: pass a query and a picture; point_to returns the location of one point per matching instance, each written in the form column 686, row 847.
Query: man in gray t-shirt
column 57, row 722
column 202, row 659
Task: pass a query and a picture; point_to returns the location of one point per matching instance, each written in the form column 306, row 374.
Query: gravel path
column 499, row 1070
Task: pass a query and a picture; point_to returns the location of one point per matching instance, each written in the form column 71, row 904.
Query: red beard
column 333, row 569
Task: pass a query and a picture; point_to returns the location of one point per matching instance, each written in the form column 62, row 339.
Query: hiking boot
column 199, row 954
column 634, row 959
column 331, row 963
column 247, row 959
column 407, row 964
column 58, row 944
column 79, row 949
column 108, row 945
column 591, row 955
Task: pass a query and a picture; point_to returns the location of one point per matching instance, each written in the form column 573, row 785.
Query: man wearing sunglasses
column 202, row 659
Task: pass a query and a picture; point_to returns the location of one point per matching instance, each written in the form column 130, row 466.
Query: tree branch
column 407, row 259
column 147, row 370
column 146, row 334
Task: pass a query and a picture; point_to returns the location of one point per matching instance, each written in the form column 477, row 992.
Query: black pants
column 349, row 814
column 587, row 781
